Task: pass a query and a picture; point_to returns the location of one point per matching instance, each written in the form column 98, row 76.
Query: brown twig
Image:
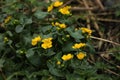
column 113, row 51
column 93, row 18
column 108, row 20
column 106, row 60
column 108, row 70
column 88, row 22
column 105, row 40
column 104, row 13
column 68, row 2
column 112, row 72
column 100, row 4
column 96, row 26
column 83, row 8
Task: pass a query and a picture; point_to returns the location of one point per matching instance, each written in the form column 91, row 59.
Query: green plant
column 42, row 42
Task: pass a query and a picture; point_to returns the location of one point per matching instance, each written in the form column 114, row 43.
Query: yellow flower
column 62, row 25
column 47, row 43
column 67, row 57
column 50, row 8
column 78, row 45
column 36, row 40
column 57, row 3
column 58, row 62
column 86, row 30
column 57, row 23
column 7, row 19
column 48, row 40
column 65, row 10
column 81, row 55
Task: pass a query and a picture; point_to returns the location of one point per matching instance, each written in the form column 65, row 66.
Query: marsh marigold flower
column 86, row 30
column 67, row 57
column 47, row 43
column 36, row 40
column 59, row 25
column 78, row 45
column 50, row 8
column 80, row 55
column 57, row 3
column 65, row 10
column 62, row 25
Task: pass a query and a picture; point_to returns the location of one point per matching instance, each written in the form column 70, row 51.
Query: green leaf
column 28, row 21
column 68, row 47
column 19, row 28
column 29, row 53
column 75, row 34
column 40, row 14
column 44, row 72
column 27, row 40
column 74, row 77
column 35, row 60
column 49, row 53
column 60, row 40
column 90, row 48
column 10, row 42
column 9, row 33
column 56, row 72
column 46, row 28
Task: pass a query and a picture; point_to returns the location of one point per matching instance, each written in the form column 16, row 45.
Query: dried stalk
column 100, row 4
column 105, row 40
column 108, row 20
column 68, row 2
column 83, row 8
column 93, row 19
column 112, row 72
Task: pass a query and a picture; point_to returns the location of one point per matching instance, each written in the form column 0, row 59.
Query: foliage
column 42, row 42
